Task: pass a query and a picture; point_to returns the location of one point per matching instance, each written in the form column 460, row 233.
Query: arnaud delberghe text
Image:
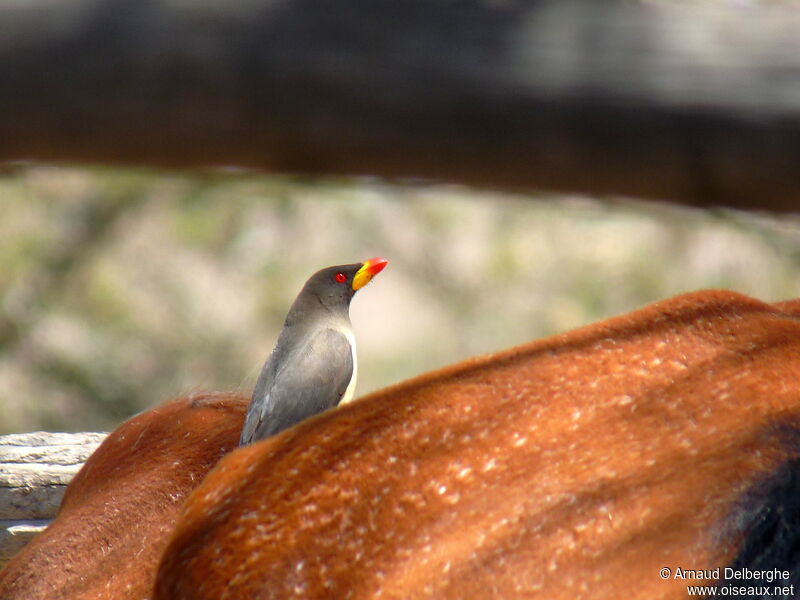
column 729, row 573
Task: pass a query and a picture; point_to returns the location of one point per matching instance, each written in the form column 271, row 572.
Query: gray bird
column 313, row 366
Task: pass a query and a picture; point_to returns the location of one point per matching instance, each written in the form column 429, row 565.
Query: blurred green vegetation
column 121, row 288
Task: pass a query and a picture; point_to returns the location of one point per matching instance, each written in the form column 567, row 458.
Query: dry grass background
column 120, row 288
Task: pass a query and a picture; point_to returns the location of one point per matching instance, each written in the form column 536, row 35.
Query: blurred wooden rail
column 698, row 103
column 118, row 512
column 35, row 469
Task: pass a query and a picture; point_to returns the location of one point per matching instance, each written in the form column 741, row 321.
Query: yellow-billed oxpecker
column 313, row 366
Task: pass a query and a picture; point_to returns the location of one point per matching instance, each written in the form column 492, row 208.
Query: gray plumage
column 313, row 364
column 306, row 384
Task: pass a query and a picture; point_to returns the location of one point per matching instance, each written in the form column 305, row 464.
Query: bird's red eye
column 340, row 277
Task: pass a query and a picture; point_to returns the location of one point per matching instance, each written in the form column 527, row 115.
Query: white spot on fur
column 624, row 400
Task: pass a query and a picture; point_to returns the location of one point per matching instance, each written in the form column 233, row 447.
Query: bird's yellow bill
column 367, row 271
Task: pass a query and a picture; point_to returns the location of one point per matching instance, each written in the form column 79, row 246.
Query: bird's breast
column 351, row 387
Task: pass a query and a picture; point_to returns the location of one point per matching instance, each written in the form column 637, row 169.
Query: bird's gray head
column 334, row 287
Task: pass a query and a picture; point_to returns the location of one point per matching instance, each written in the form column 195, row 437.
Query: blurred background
column 122, row 288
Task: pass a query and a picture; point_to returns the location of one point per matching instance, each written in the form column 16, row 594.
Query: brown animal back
column 573, row 467
column 119, row 509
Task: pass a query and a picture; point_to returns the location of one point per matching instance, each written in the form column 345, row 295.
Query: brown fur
column 573, row 467
column 117, row 513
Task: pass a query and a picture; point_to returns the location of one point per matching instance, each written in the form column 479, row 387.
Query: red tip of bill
column 373, row 266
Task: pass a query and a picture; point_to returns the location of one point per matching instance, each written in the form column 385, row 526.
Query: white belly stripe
column 351, row 387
